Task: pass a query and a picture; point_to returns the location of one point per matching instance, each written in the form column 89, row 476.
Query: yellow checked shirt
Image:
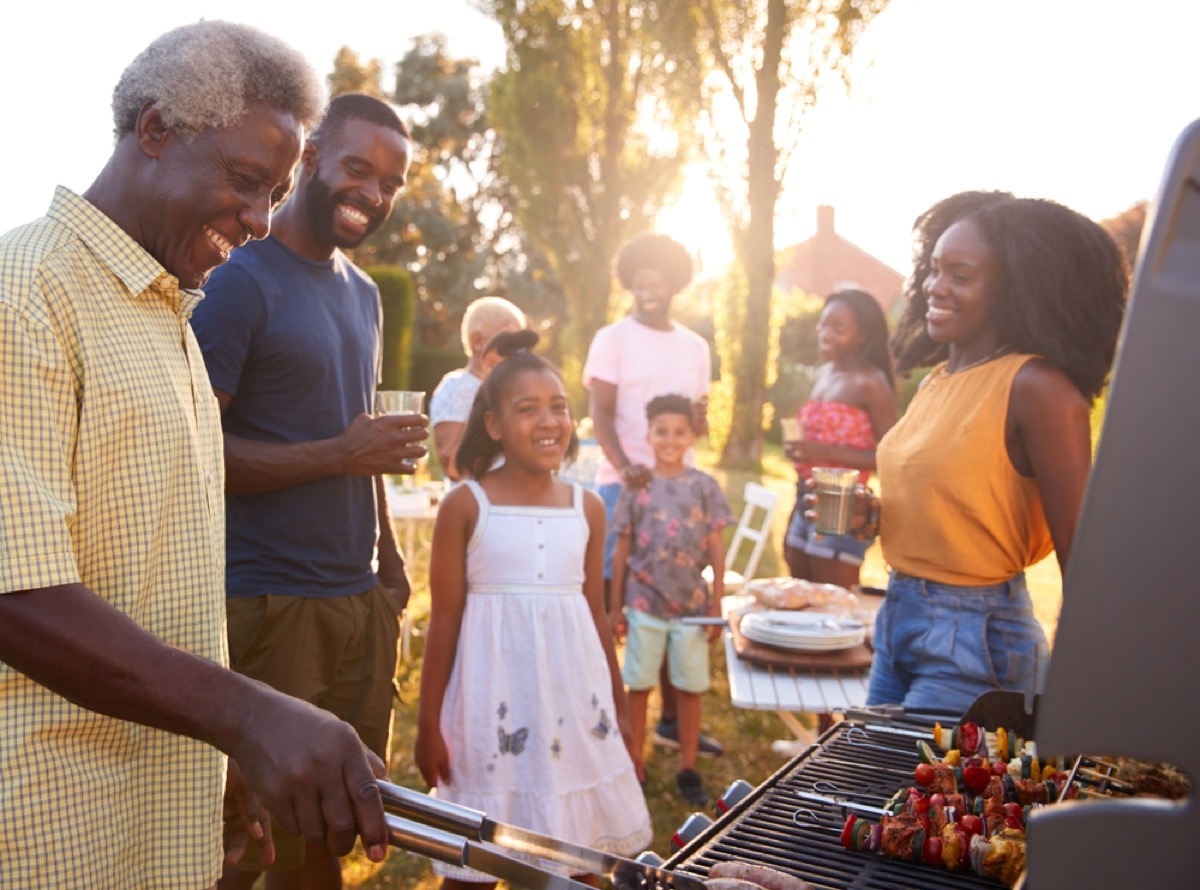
column 110, row 476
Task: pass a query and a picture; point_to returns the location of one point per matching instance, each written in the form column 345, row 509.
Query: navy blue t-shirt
column 296, row 343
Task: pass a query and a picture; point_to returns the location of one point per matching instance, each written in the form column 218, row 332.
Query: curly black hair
column 872, row 324
column 1063, row 288
column 478, row 451
column 654, row 251
column 670, row 404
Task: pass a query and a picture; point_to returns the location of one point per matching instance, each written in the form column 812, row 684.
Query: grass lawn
column 747, row 734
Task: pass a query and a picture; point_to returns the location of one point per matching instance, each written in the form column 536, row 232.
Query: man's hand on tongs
column 245, row 820
column 313, row 774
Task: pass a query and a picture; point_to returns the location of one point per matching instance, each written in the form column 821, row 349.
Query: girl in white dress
column 523, row 713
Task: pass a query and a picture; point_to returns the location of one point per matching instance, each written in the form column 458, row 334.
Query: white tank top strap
column 481, row 499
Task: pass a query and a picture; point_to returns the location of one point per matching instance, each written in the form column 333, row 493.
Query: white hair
column 486, row 316
column 204, row 76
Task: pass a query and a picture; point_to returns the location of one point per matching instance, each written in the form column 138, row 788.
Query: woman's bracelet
column 871, row 528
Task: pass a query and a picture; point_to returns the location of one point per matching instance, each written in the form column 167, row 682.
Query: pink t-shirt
column 644, row 362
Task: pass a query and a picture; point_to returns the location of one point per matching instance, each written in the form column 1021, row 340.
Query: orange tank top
column 954, row 509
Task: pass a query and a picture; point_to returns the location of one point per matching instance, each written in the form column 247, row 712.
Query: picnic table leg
column 804, row 736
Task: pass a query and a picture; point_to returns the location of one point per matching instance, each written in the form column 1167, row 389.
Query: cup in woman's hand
column 835, row 491
column 398, row 401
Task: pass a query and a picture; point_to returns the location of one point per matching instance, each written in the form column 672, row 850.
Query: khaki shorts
column 338, row 653
column 649, row 640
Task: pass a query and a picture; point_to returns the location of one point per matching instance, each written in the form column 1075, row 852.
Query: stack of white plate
column 803, row 631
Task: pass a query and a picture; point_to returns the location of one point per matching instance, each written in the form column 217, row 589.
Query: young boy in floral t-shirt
column 666, row 534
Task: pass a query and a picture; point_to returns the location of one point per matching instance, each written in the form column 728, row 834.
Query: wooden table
column 788, row 690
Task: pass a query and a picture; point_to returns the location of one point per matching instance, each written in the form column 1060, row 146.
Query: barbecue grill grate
column 775, row 827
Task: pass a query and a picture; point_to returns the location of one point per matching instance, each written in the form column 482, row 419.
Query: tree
column 352, row 75
column 592, row 114
column 766, row 62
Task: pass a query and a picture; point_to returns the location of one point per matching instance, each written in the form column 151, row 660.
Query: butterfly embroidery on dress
column 601, row 729
column 513, row 743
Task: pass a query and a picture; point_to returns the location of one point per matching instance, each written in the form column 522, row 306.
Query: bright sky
column 1072, row 100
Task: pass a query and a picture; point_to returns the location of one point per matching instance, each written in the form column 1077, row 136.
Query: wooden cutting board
column 751, row 652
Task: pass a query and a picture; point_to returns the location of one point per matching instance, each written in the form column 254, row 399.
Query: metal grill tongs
column 451, row 833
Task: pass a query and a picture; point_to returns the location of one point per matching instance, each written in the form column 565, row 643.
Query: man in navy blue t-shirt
column 290, row 331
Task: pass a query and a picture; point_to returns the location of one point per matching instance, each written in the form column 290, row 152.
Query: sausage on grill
column 759, row 876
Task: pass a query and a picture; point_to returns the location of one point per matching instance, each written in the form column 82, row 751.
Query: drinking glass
column 398, row 401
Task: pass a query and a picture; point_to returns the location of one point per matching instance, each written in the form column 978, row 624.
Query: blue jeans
column 938, row 646
column 609, row 494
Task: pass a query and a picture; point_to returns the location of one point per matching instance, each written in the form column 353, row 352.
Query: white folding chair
column 759, row 499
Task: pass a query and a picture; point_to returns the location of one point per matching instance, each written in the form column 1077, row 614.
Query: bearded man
column 290, row 331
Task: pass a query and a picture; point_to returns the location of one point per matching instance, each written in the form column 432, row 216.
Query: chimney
column 824, row 220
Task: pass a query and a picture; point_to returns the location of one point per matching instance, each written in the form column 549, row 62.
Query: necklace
column 929, row 381
column 979, row 361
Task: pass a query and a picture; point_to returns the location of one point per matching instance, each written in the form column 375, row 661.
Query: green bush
column 398, row 294
column 430, row 364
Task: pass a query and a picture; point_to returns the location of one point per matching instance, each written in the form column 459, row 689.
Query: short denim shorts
column 802, row 535
column 650, row 639
column 939, row 646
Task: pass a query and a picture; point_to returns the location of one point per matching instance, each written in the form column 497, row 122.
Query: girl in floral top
column 853, row 403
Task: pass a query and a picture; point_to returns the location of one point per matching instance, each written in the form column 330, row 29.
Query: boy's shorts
column 338, row 653
column 650, row 639
column 802, row 535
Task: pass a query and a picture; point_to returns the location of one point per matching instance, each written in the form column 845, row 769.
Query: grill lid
column 1129, row 618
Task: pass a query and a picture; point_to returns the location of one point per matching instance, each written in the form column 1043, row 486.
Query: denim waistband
column 1012, row 587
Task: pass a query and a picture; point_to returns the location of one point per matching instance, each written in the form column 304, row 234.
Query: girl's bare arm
column 448, row 595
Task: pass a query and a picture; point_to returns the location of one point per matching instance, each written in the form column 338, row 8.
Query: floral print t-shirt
column 669, row 523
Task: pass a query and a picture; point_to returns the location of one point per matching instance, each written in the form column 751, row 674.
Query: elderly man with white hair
column 115, row 702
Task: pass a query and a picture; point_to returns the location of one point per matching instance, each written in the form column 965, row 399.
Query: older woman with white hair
column 451, row 402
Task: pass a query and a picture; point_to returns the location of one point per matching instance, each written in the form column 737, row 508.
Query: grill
column 776, row 827
column 792, row 822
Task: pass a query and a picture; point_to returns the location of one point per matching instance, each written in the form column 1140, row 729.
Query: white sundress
column 528, row 716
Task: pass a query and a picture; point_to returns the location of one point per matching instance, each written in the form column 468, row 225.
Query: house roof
column 827, row 262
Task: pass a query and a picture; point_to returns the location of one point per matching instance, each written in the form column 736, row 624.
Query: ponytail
column 477, row 450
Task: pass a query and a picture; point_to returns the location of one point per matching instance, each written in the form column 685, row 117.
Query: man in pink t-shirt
column 645, row 354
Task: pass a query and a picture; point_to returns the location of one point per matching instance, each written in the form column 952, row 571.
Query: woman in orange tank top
column 1017, row 303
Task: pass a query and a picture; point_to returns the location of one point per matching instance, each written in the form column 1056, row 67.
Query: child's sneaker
column 666, row 733
column 691, row 787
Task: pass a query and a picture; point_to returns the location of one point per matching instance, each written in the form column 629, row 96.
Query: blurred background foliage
column 526, row 181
